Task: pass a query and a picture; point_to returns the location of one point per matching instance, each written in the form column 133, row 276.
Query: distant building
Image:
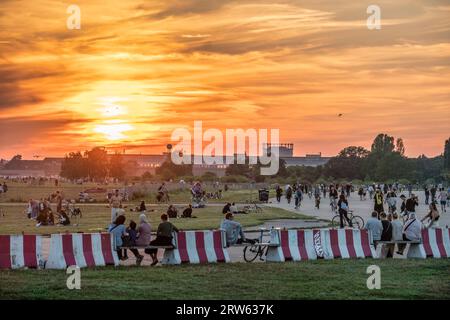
column 138, row 164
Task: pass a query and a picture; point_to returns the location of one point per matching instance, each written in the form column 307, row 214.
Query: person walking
column 443, row 195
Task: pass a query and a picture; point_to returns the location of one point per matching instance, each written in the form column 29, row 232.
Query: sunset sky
column 136, row 70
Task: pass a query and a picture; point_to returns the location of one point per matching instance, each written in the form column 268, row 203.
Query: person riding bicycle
column 343, row 211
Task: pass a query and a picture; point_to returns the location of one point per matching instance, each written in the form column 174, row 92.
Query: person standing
column 386, row 235
column 410, row 205
column 427, row 194
column 443, row 195
column 378, row 202
column 115, row 203
column 333, row 198
column 343, row 211
column 433, row 193
column 279, row 193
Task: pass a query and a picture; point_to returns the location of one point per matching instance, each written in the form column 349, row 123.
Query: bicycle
column 252, row 206
column 357, row 221
column 251, row 252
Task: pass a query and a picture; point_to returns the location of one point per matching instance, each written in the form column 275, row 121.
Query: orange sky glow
column 137, row 70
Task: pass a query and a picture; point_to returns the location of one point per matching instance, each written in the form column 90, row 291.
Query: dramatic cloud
column 138, row 69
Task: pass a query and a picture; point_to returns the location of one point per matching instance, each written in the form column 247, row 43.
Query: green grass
column 334, row 279
column 97, row 217
column 20, row 193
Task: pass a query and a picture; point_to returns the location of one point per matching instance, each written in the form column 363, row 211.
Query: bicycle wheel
column 358, row 222
column 250, row 253
column 336, row 222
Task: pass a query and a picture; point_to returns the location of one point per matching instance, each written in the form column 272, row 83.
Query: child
column 130, row 241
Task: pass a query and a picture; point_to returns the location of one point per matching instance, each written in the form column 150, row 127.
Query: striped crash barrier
column 21, row 251
column 82, row 250
column 197, row 247
column 298, row 245
column 435, row 244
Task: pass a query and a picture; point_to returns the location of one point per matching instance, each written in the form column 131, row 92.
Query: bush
column 234, row 179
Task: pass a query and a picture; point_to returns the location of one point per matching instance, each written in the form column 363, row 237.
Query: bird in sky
column 340, row 114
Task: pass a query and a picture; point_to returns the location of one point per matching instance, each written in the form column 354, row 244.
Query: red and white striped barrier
column 197, row 247
column 435, row 244
column 294, row 245
column 18, row 251
column 348, row 243
column 82, row 250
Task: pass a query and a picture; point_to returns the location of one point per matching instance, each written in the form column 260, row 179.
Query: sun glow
column 113, row 129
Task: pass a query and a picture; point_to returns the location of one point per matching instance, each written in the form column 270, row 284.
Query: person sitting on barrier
column 412, row 231
column 343, row 210
column 397, row 228
column 144, row 231
column 227, row 208
column 163, row 237
column 172, row 212
column 375, row 227
column 130, row 241
column 117, row 229
column 432, row 216
column 233, row 230
column 386, row 235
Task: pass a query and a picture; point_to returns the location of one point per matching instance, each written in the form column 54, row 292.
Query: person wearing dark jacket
column 378, row 202
column 163, row 237
column 386, row 234
column 343, row 210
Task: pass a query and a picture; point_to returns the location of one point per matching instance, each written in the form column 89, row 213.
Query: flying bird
column 340, row 114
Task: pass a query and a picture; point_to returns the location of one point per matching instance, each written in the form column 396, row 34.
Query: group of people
column 390, row 228
column 41, row 211
column 140, row 236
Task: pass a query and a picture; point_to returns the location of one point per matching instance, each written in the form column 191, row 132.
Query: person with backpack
column 378, row 202
column 298, row 198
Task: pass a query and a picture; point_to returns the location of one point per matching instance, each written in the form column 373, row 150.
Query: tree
column 116, row 167
column 400, row 147
column 97, row 163
column 169, row 170
column 348, row 164
column 74, row 166
column 382, row 144
column 447, row 155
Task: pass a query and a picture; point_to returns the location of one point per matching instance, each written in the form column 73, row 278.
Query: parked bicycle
column 252, row 206
column 357, row 221
column 258, row 249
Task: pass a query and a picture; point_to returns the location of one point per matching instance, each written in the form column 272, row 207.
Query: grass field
column 331, row 279
column 97, row 217
column 20, row 192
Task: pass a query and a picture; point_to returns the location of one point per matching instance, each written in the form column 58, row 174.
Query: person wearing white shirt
column 412, row 231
